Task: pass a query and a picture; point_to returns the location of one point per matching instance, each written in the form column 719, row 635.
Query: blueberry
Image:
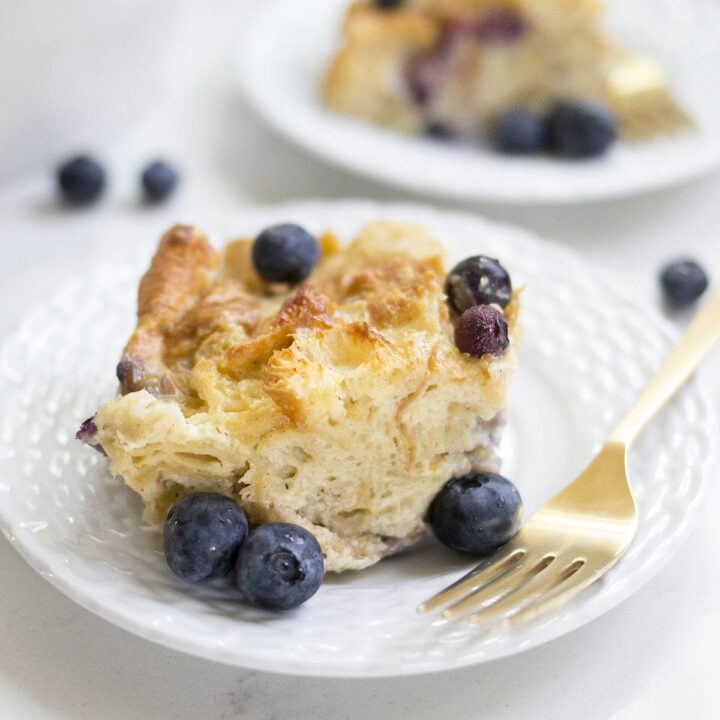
column 683, row 282
column 580, row 130
column 279, row 567
column 203, row 534
column 158, row 181
column 81, row 180
column 86, row 434
column 478, row 280
column 388, row 4
column 499, row 25
column 285, row 253
column 423, row 76
column 481, row 330
column 518, row 132
column 476, row 513
column 439, row 130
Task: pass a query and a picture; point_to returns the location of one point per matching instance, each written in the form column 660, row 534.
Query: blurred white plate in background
column 286, row 50
column 587, row 348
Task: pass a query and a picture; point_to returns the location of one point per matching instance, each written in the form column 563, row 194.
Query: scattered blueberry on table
column 518, row 132
column 202, row 537
column 285, row 253
column 477, row 513
column 159, row 181
column 279, row 567
column 580, row 129
column 478, row 280
column 683, row 282
column 81, row 180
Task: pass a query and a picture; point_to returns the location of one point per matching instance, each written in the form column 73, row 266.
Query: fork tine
column 520, row 575
column 562, row 593
column 484, row 573
column 540, row 586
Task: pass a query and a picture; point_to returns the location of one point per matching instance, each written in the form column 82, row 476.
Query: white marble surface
column 656, row 656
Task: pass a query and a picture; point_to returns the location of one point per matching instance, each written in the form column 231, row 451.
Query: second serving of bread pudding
column 342, row 404
column 520, row 76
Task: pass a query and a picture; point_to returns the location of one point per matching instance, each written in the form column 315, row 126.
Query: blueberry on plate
column 683, row 282
column 518, row 132
column 203, row 534
column 481, row 330
column 279, row 567
column 285, row 253
column 81, row 180
column 478, row 280
column 476, row 513
column 580, row 129
column 158, row 180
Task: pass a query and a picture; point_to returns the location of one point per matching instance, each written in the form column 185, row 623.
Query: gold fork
column 639, row 95
column 582, row 531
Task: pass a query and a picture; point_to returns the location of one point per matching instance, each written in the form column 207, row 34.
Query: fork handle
column 701, row 335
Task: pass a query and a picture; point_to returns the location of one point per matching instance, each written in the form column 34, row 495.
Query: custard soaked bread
column 342, row 404
column 460, row 64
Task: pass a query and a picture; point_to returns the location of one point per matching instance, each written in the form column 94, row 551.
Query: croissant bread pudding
column 341, row 402
column 524, row 75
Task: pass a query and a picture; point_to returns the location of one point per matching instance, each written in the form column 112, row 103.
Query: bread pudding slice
column 341, row 405
column 459, row 64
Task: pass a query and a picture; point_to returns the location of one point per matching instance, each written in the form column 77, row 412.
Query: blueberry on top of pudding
column 285, row 253
column 478, row 280
column 481, row 330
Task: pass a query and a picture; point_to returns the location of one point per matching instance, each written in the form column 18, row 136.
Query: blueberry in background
column 285, row 253
column 159, row 181
column 477, row 513
column 203, row 534
column 683, row 282
column 439, row 130
column 580, row 129
column 518, row 132
column 478, row 280
column 279, row 567
column 388, row 4
column 81, row 180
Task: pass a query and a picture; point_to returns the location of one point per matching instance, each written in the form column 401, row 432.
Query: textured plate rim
column 81, row 592
column 272, row 113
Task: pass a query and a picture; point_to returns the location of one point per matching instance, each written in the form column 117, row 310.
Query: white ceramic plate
column 286, row 50
column 587, row 348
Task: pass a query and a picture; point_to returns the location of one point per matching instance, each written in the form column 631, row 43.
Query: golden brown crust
column 306, row 308
column 183, row 267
